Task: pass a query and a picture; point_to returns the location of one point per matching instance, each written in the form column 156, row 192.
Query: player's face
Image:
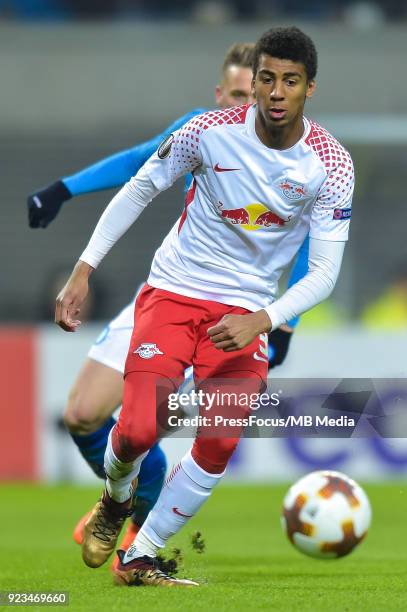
column 236, row 87
column 281, row 88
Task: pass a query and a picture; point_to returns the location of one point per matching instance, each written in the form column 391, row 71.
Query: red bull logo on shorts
column 251, row 217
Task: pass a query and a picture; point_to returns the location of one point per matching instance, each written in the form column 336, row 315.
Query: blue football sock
column 92, row 446
column 150, row 482
column 152, row 470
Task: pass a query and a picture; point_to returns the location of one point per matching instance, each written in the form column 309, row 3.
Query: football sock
column 186, row 489
column 119, row 475
column 92, row 446
column 143, row 546
column 152, row 471
column 150, row 482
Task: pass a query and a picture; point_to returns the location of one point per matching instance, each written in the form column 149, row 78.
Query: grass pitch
column 248, row 563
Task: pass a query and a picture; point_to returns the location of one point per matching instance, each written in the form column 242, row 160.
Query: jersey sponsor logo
column 217, row 168
column 342, row 214
column 251, row 217
column 176, row 511
column 292, row 190
column 147, row 350
column 165, row 147
column 262, row 354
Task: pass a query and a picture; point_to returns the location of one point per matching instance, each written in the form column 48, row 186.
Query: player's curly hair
column 287, row 43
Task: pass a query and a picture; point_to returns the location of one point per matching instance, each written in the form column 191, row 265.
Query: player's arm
column 324, row 263
column 158, row 174
column 234, row 332
column 114, row 171
column 279, row 339
column 329, row 230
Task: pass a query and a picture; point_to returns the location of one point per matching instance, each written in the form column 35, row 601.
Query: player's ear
column 311, row 87
column 218, row 94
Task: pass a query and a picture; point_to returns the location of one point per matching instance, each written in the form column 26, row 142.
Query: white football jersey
column 249, row 208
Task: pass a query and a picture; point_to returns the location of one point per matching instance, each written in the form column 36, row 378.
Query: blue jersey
column 116, row 170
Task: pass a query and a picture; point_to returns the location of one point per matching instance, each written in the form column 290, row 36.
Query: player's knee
column 82, row 416
column 213, row 454
column 136, row 429
column 130, row 443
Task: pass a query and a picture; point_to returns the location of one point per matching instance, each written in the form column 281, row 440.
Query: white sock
column 144, row 546
column 186, row 489
column 119, row 475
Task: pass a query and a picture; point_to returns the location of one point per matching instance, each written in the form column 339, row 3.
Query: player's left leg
column 94, row 396
column 192, row 481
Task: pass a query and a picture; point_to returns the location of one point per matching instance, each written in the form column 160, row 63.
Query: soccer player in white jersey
column 264, row 176
column 98, row 389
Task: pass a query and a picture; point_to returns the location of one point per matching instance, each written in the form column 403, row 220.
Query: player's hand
column 72, row 296
column 279, row 341
column 44, row 205
column 234, row 332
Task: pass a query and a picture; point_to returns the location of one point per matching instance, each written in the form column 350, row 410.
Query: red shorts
column 170, row 334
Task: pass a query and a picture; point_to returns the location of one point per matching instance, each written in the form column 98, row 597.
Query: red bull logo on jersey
column 292, row 190
column 251, row 217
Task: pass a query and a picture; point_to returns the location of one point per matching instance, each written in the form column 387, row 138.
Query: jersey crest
column 147, row 350
column 292, row 190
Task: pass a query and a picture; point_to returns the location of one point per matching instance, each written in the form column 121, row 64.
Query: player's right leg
column 129, row 443
column 162, row 346
column 97, row 392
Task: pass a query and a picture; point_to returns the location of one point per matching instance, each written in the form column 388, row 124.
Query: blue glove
column 44, row 205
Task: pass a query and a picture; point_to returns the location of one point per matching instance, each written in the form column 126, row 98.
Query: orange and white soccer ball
column 326, row 514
